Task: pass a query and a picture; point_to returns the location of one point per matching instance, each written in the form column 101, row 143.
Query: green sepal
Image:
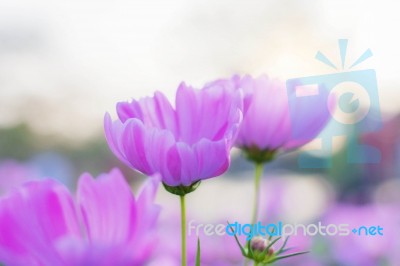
column 182, row 190
column 255, row 154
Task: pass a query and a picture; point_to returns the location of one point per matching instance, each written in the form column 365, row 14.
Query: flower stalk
column 258, row 173
column 181, row 191
column 183, row 229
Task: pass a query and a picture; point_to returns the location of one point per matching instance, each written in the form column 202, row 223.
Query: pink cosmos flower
column 184, row 144
column 267, row 122
column 42, row 224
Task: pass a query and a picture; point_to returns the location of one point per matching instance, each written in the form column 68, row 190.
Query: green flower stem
column 183, row 227
column 259, row 171
column 181, row 191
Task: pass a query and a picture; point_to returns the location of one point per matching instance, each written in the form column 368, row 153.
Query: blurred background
column 63, row 64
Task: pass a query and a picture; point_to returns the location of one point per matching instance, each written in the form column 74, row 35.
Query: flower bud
column 259, row 244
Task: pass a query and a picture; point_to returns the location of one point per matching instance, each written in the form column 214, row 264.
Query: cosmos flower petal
column 113, row 132
column 148, row 213
column 269, row 123
column 151, row 137
column 266, row 113
column 153, row 111
column 133, row 140
column 311, row 118
column 82, row 253
column 104, row 226
column 217, row 102
column 108, row 207
column 183, row 164
column 146, row 209
column 36, row 215
column 212, row 157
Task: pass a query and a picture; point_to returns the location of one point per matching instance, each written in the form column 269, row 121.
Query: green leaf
column 282, row 249
column 287, row 256
column 270, row 236
column 198, row 252
column 272, row 243
column 250, row 250
column 285, row 250
column 238, row 242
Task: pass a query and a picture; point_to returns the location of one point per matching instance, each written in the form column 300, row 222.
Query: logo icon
column 357, row 107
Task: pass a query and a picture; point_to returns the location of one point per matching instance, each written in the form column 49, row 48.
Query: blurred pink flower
column 362, row 249
column 186, row 144
column 267, row 123
column 13, row 174
column 42, row 224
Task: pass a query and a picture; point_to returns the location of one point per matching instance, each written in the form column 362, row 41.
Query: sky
column 63, row 64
